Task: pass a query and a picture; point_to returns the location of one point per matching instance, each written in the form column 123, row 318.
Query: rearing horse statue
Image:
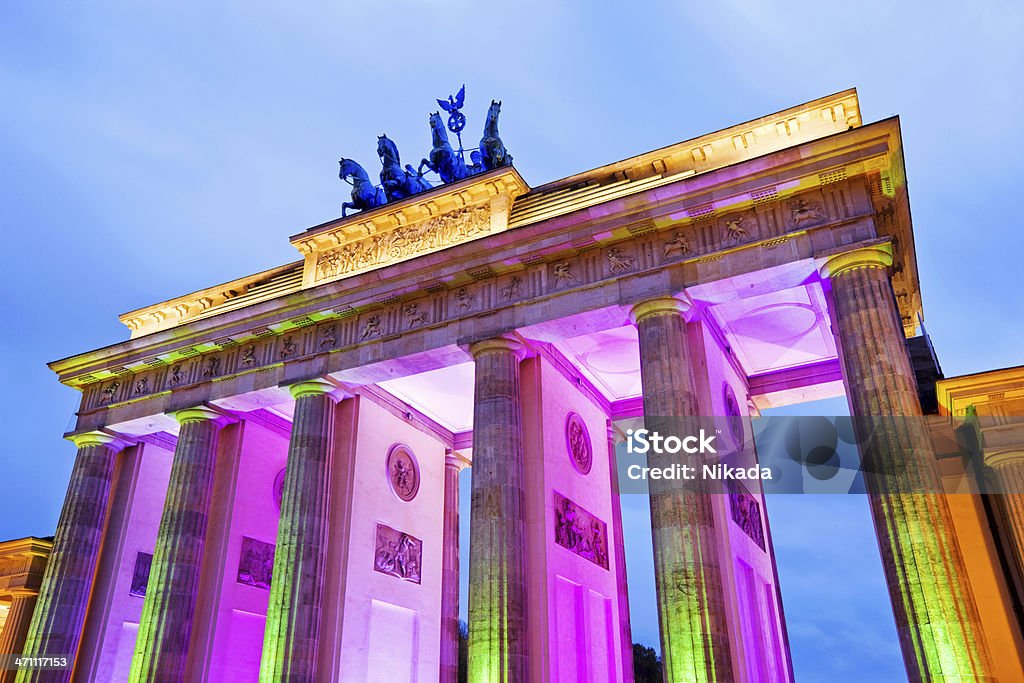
column 364, row 194
column 398, row 183
column 443, row 159
column 492, row 151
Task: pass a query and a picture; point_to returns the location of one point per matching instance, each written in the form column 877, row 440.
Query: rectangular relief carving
column 398, row 554
column 578, row 530
column 746, row 513
column 140, row 575
column 255, row 563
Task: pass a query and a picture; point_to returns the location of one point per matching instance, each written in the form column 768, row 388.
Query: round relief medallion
column 577, row 442
column 403, row 473
column 732, row 412
column 279, row 488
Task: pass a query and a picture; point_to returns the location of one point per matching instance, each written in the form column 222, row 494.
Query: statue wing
column 444, row 105
column 461, row 97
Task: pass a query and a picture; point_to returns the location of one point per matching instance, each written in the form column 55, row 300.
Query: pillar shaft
column 56, row 627
column 1009, row 472
column 450, row 575
column 291, row 639
column 621, row 582
column 12, row 637
column 161, row 649
column 936, row 616
column 688, row 579
column 497, row 558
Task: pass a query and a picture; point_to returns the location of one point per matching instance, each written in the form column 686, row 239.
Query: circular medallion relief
column 732, row 412
column 403, row 473
column 279, row 488
column 577, row 442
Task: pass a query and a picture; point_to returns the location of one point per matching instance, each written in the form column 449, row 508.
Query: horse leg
column 425, row 162
column 345, row 207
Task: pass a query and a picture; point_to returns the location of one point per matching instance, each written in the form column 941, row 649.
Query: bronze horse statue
column 444, row 160
column 398, row 183
column 492, row 151
column 364, row 194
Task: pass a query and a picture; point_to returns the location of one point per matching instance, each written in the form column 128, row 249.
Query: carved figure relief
column 619, row 262
column 376, row 250
column 110, row 393
column 140, row 574
column 255, row 563
column 403, row 473
column 278, row 488
column 580, row 532
column 328, row 336
column 804, row 213
column 177, row 376
column 677, row 246
column 732, row 413
column 563, row 274
column 249, row 356
column 577, row 442
column 398, row 554
column 513, row 290
column 288, row 347
column 212, row 368
column 746, row 512
column 142, row 385
column 734, row 229
column 371, row 328
column 464, row 299
column 414, row 316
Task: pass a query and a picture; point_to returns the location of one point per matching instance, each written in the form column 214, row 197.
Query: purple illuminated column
column 691, row 599
column 625, row 632
column 936, row 616
column 497, row 547
column 450, row 573
column 161, row 649
column 292, row 636
column 56, row 627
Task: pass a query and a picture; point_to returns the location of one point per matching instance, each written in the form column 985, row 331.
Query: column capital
column 663, row 305
column 454, row 459
column 997, row 460
column 498, row 344
column 874, row 256
column 317, row 386
column 98, row 438
column 200, row 413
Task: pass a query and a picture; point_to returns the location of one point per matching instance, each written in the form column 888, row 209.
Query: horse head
column 348, row 168
column 437, row 129
column 387, row 150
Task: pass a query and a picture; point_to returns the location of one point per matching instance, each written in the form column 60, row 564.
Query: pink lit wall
column 137, row 503
column 573, row 602
column 755, row 624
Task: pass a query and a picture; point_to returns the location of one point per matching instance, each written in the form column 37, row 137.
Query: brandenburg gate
column 267, row 478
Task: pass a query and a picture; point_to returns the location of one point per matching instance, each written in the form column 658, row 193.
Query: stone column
column 497, row 548
column 936, row 616
column 292, row 635
column 56, row 627
column 12, row 637
column 1008, row 468
column 450, row 573
column 619, row 551
column 688, row 579
column 161, row 649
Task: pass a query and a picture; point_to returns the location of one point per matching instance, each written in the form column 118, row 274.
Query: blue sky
column 150, row 149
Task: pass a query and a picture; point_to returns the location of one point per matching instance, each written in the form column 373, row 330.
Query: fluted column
column 497, row 547
column 56, row 627
column 292, row 635
column 936, row 616
column 688, row 579
column 621, row 582
column 1008, row 467
column 450, row 573
column 161, row 649
column 12, row 637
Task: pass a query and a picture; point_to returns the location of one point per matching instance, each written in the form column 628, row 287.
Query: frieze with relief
column 579, row 531
column 404, row 242
column 398, row 554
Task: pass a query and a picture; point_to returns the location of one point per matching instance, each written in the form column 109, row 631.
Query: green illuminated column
column 450, row 572
column 936, row 617
column 497, row 558
column 161, row 650
column 56, row 626
column 292, row 636
column 691, row 600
